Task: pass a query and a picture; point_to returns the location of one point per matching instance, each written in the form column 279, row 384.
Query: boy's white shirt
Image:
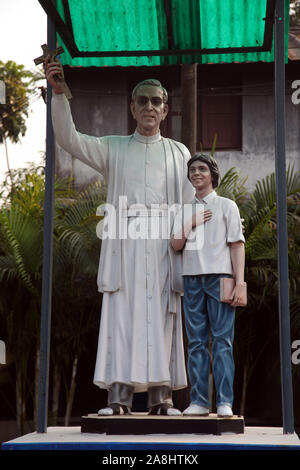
column 207, row 249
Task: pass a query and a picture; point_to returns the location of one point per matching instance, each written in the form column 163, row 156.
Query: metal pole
column 47, row 258
column 282, row 234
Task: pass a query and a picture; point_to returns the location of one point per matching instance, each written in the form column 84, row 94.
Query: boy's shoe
column 224, row 411
column 196, row 410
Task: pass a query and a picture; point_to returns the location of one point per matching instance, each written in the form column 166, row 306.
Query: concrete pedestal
column 142, row 423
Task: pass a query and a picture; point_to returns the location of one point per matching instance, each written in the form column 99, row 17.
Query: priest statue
column 140, row 339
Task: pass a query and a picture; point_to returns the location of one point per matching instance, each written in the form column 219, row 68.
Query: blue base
column 141, row 446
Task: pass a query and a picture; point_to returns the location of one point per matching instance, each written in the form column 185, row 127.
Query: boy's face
column 200, row 176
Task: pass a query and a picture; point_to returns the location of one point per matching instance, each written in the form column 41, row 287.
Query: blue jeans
column 203, row 312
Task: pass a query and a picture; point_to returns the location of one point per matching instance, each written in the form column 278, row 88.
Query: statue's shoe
column 164, row 409
column 196, row 410
column 114, row 409
column 224, row 411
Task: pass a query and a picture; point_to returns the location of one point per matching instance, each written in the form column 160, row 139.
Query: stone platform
column 71, row 439
column 142, row 423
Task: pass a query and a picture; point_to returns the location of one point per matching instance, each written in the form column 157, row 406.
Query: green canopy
column 162, row 32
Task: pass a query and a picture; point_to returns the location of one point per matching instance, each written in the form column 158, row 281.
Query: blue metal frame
column 282, row 234
column 47, row 256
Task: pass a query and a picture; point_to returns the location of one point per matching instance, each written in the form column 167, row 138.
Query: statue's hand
column 238, row 295
column 200, row 217
column 55, row 75
column 243, row 226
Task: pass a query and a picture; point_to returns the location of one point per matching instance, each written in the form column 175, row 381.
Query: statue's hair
column 150, row 82
column 212, row 164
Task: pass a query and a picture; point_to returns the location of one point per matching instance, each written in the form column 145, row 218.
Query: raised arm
column 93, row 151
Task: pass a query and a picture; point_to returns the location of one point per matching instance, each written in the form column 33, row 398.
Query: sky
column 23, row 29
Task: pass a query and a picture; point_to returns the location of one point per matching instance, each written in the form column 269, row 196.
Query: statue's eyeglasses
column 143, row 100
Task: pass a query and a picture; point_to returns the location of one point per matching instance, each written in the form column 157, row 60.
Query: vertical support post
column 188, row 138
column 47, row 258
column 282, row 235
column 189, row 106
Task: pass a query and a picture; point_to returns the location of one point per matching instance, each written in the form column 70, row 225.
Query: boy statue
column 217, row 253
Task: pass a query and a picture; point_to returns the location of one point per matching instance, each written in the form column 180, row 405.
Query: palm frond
column 18, row 231
column 265, row 189
column 232, row 186
column 8, row 268
column 214, row 144
column 77, row 238
column 262, row 230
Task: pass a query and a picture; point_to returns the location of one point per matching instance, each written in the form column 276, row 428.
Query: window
column 221, row 115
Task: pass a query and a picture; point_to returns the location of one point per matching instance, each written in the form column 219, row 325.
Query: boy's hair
column 212, row 164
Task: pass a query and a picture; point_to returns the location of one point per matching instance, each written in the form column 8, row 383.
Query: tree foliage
column 76, row 251
column 19, row 84
column 76, row 302
column 294, row 12
column 259, row 211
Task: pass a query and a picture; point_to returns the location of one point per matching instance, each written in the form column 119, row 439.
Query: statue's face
column 148, row 109
column 200, row 175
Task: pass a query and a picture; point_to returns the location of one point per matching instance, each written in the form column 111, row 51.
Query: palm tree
column 76, row 300
column 259, row 212
column 232, row 186
column 20, row 93
column 21, row 232
column 20, row 270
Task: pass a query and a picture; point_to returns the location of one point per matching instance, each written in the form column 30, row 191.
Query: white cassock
column 140, row 338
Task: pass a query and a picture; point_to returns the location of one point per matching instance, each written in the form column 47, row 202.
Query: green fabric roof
column 160, row 25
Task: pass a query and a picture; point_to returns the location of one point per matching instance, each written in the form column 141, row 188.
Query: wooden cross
column 46, row 53
column 53, row 54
